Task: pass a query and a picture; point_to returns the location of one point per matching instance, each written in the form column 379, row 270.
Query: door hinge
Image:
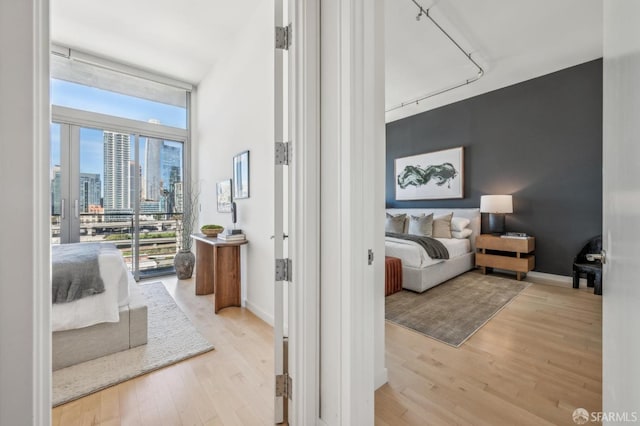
column 284, row 386
column 283, row 269
column 370, row 257
column 282, row 153
column 283, row 37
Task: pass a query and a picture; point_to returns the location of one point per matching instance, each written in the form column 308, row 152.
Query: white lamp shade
column 496, row 204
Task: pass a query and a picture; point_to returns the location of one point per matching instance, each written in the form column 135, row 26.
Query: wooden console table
column 218, row 270
column 513, row 254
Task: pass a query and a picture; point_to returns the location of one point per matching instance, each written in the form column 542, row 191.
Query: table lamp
column 496, row 206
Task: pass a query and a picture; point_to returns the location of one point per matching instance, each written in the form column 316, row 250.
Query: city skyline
column 114, row 187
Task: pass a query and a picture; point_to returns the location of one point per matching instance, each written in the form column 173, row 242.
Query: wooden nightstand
column 511, row 254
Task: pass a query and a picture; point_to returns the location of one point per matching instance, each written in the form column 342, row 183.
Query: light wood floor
column 231, row 385
column 533, row 363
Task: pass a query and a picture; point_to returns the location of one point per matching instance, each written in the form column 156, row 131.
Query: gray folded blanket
column 435, row 249
column 75, row 271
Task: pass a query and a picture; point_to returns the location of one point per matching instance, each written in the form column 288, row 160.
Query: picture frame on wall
column 241, row 175
column 223, row 193
column 435, row 175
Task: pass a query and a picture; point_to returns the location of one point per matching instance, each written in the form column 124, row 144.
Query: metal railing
column 159, row 236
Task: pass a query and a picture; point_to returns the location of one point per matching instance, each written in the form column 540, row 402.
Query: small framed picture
column 223, row 192
column 241, row 175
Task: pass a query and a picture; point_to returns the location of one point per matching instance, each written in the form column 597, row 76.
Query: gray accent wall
column 540, row 140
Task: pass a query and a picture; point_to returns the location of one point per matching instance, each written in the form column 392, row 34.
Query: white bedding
column 103, row 307
column 415, row 256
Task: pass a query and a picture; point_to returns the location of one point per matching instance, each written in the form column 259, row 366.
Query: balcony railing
column 159, row 236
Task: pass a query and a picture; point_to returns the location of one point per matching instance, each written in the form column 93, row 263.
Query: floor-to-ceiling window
column 119, row 166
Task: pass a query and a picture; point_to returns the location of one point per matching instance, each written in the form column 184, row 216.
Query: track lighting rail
column 479, row 73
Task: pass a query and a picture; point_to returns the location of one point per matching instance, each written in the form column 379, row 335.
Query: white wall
column 234, row 112
column 621, row 210
column 379, row 202
column 25, row 295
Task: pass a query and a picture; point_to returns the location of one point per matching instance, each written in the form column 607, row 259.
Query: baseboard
column 268, row 318
column 381, row 378
column 557, row 280
column 264, row 316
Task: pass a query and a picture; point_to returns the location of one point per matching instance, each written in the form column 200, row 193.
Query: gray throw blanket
column 75, row 271
column 435, row 249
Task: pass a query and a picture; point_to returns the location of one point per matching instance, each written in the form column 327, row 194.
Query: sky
column 87, row 98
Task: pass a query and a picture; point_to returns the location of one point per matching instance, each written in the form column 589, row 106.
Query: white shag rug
column 171, row 338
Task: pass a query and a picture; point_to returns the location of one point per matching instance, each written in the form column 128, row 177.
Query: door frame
column 352, row 140
column 304, row 217
column 355, row 392
column 24, row 130
column 344, row 117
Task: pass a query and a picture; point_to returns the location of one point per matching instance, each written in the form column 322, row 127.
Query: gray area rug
column 171, row 338
column 451, row 312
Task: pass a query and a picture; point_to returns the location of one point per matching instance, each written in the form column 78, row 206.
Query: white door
column 621, row 210
column 281, row 183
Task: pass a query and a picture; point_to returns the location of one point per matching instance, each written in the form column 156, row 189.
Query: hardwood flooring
column 231, row 385
column 533, row 363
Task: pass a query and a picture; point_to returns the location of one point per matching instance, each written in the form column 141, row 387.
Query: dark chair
column 591, row 269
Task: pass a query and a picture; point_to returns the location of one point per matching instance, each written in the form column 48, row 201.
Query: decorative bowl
column 211, row 232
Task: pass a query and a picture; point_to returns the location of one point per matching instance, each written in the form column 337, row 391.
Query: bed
column 421, row 272
column 99, row 324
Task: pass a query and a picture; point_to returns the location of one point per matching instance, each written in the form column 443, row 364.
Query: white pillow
column 459, row 223
column 461, row 235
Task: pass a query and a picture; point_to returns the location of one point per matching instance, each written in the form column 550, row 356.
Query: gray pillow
column 421, row 225
column 442, row 226
column 395, row 223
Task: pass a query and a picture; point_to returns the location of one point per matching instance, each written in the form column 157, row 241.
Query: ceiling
column 179, row 39
column 512, row 40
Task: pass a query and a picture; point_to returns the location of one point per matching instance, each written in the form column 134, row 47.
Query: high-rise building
column 162, row 169
column 133, row 171
column 171, row 165
column 116, row 173
column 56, row 195
column 153, row 176
column 174, row 179
column 152, row 161
column 171, row 174
column 178, row 196
column 90, row 191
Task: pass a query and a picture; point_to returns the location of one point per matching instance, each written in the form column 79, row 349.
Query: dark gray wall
column 540, row 140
